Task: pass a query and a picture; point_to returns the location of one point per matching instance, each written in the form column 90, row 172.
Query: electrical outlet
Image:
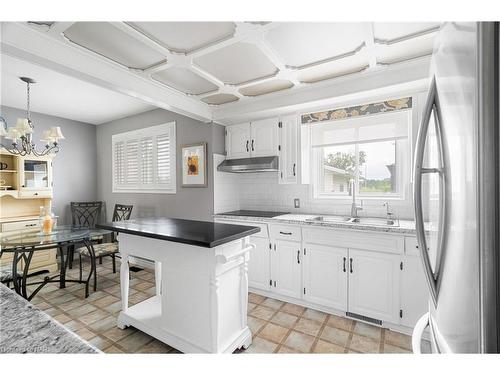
column 296, row 203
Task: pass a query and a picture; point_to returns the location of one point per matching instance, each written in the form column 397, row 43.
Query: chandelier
column 21, row 134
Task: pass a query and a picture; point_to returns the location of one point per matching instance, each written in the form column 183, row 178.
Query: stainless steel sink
column 355, row 220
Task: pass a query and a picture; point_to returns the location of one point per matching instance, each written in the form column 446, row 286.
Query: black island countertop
column 191, row 232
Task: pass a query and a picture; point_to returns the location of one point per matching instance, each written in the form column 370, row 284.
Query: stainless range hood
column 249, row 165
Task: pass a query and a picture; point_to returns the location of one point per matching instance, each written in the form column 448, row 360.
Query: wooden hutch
column 25, row 186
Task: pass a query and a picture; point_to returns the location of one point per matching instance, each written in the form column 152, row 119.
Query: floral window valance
column 358, row 110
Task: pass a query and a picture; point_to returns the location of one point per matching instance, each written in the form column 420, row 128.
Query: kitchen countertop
column 26, row 329
column 405, row 226
column 192, row 232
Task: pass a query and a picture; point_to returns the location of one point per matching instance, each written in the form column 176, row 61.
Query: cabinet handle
column 294, row 169
column 350, row 264
column 344, row 263
column 35, row 194
column 247, row 145
column 298, row 256
column 286, row 233
column 252, row 145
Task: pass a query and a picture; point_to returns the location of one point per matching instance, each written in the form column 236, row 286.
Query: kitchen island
column 201, row 269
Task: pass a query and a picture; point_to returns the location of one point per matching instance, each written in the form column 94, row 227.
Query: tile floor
column 277, row 327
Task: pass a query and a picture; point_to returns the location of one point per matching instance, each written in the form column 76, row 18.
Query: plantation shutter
column 144, row 160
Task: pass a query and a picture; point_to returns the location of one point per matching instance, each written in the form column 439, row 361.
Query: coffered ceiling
column 218, row 63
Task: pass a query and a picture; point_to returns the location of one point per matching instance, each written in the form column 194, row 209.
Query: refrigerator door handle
column 418, row 331
column 432, row 107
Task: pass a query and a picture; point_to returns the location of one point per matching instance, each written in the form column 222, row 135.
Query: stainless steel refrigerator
column 456, row 192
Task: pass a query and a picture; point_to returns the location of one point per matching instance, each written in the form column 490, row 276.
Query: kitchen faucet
column 354, row 208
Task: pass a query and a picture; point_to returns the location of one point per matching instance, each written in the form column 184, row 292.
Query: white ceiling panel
column 299, row 44
column 392, row 31
column 185, row 37
column 184, row 80
column 105, row 39
column 237, row 63
column 337, row 68
column 405, row 50
column 266, row 87
column 63, row 96
column 218, row 99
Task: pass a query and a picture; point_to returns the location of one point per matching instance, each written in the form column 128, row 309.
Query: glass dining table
column 24, row 243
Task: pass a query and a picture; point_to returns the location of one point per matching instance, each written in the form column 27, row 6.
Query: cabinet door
column 288, row 150
column 238, row 141
column 325, row 275
column 414, row 293
column 374, row 285
column 264, row 137
column 259, row 265
column 35, row 174
column 285, row 268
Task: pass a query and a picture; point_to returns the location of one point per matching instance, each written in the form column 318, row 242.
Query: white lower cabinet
column 325, row 275
column 285, row 268
column 259, row 268
column 374, row 285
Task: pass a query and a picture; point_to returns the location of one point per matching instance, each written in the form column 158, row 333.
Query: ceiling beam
column 23, row 42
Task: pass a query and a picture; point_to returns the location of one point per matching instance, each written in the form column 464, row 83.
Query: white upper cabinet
column 258, row 138
column 374, row 285
column 238, row 141
column 288, row 141
column 325, row 275
column 264, row 137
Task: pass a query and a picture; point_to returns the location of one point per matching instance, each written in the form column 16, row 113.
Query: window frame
column 139, row 135
column 403, row 177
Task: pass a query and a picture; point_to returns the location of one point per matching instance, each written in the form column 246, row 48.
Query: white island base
column 201, row 300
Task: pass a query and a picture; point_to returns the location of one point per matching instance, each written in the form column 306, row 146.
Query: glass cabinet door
column 36, row 174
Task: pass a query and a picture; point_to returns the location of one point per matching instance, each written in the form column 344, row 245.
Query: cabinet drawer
column 16, row 225
column 263, row 227
column 35, row 194
column 386, row 243
column 286, row 232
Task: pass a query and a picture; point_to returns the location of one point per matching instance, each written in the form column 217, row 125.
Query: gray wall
column 74, row 171
column 188, row 203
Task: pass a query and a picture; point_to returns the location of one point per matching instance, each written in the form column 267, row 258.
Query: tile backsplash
column 261, row 191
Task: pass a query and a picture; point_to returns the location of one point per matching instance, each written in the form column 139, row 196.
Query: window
column 144, row 160
column 369, row 152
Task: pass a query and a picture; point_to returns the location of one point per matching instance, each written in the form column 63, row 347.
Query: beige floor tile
column 398, row 339
column 105, row 301
column 132, row 343
column 94, row 316
column 53, row 311
column 137, row 298
column 85, row 334
column 273, row 332
column 327, row 347
column 364, row 344
column 255, row 298
column 155, row 346
column 272, row 303
column 262, row 312
column 311, row 327
column 293, row 309
column 74, row 325
column 367, row 330
column 284, row 319
column 73, row 304
column 335, row 335
column 251, row 306
column 299, row 341
column 315, row 315
column 82, row 310
column 101, row 343
column 61, row 299
column 260, row 345
column 286, row 350
column 94, row 296
column 62, row 318
column 255, row 324
column 116, row 334
column 114, row 307
column 144, row 285
column 340, row 322
column 388, row 348
column 113, row 350
column 103, row 325
column 43, row 306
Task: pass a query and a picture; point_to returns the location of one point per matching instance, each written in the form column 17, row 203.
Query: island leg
column 124, row 284
column 158, row 278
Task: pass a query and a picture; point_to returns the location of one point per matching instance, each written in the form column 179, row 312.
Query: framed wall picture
column 194, row 165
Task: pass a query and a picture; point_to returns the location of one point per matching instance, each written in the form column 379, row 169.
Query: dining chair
column 120, row 212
